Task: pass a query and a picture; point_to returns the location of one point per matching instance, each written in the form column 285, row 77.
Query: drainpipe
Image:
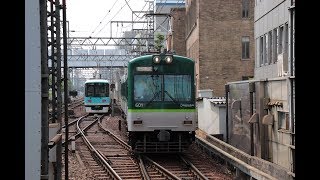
column 292, row 82
column 44, row 91
column 65, row 84
column 251, row 91
column 227, row 112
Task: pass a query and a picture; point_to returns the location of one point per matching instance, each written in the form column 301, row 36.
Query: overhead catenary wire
column 130, row 7
column 103, row 18
column 137, row 15
column 112, row 18
column 161, row 6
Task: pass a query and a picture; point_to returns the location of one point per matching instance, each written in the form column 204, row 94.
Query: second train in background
column 97, row 96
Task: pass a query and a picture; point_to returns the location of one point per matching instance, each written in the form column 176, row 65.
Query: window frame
column 245, row 9
column 261, row 50
column 245, row 47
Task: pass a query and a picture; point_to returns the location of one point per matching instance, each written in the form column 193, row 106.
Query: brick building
column 219, row 36
column 178, row 43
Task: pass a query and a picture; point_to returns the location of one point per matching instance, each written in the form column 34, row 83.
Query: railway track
column 104, row 151
column 180, row 166
column 108, row 156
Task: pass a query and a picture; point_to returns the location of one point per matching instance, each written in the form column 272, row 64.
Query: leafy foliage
column 159, row 41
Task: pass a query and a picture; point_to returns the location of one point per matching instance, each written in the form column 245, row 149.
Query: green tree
column 159, row 42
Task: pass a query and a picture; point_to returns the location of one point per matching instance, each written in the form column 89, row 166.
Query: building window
column 280, row 40
column 270, row 47
column 261, row 50
column 264, row 49
column 286, row 38
column 285, row 47
column 283, row 120
column 245, row 47
column 247, row 78
column 275, row 45
column 245, row 8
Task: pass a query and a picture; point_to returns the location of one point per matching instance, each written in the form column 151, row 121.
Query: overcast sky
column 92, row 17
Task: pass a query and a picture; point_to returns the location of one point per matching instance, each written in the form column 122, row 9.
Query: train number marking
column 139, row 105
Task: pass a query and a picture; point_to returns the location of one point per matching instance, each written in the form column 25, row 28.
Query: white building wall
column 269, row 14
column 212, row 118
column 279, row 138
column 32, row 91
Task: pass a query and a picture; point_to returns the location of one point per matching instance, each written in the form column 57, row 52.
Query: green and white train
column 158, row 102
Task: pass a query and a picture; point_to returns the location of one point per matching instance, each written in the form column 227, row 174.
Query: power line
column 130, row 7
column 162, row 5
column 104, row 17
column 112, row 18
column 137, row 15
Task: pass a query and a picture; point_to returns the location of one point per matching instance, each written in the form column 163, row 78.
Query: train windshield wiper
column 175, row 101
column 151, row 100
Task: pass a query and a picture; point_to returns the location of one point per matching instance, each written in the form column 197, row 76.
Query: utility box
column 205, row 93
column 212, row 116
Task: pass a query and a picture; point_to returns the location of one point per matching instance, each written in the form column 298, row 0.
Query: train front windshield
column 97, row 90
column 176, row 88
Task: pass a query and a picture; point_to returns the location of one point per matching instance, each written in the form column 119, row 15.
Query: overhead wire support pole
column 65, row 85
column 54, row 58
column 44, row 90
column 58, row 164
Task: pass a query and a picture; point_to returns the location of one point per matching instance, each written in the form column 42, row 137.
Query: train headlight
column 156, row 59
column 168, row 59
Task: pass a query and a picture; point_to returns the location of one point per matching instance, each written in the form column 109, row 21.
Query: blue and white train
column 97, row 96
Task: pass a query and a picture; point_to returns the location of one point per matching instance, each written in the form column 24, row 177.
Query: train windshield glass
column 89, row 89
column 101, row 90
column 177, row 88
column 97, row 90
column 147, row 87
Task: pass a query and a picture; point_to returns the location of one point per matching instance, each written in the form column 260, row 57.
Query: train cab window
column 177, row 88
column 101, row 90
column 147, row 87
column 89, row 90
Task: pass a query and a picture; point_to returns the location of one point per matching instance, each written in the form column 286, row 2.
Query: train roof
column 97, row 81
column 144, row 57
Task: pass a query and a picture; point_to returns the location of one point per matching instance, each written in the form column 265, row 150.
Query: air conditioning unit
column 282, row 66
